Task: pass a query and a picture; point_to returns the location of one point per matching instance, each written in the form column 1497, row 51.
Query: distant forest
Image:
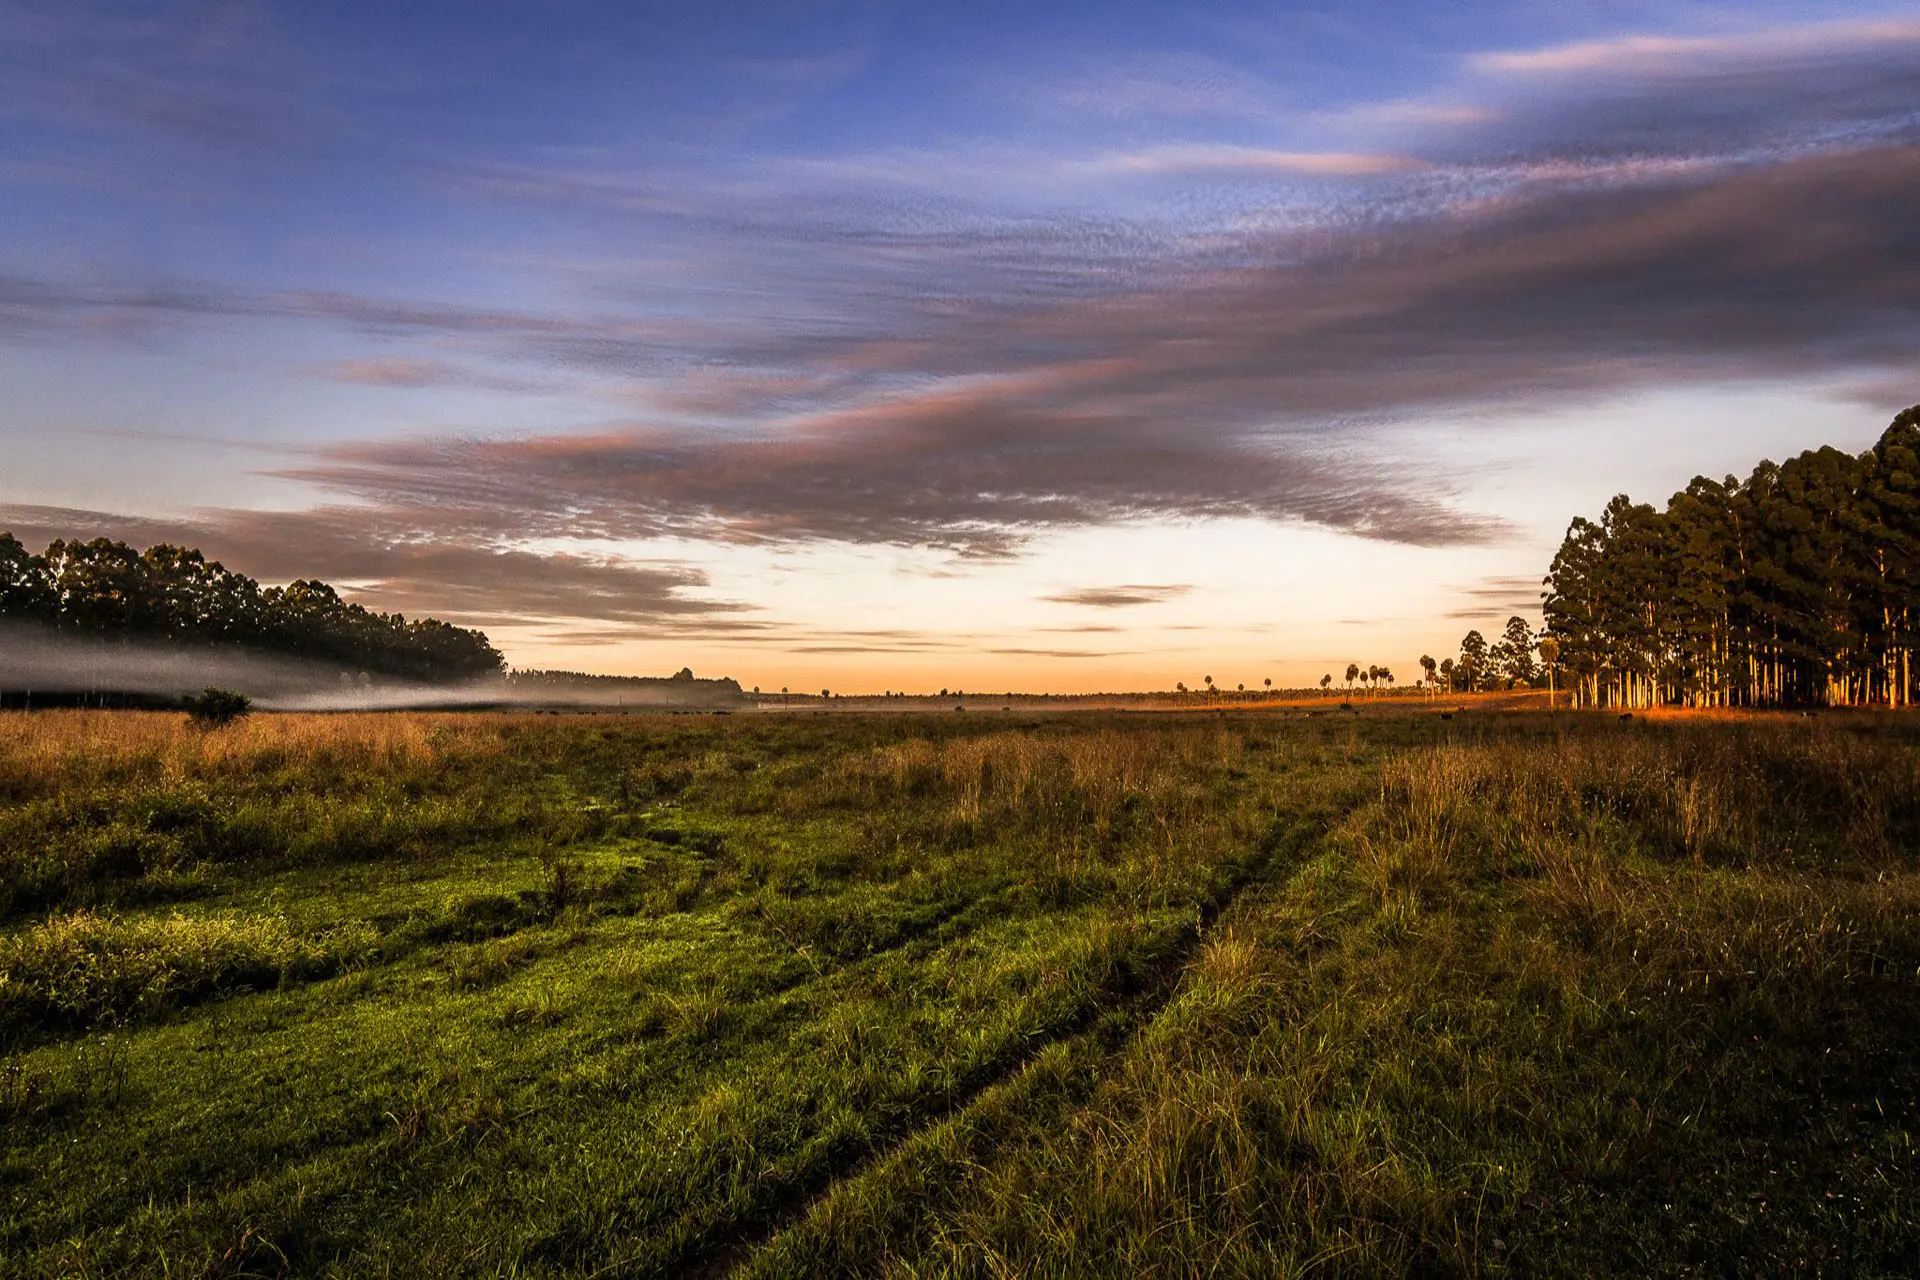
column 108, row 590
column 1799, row 586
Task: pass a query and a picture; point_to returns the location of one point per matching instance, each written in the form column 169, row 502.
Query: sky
column 1063, row 347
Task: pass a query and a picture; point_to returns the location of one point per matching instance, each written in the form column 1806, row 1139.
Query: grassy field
column 988, row 995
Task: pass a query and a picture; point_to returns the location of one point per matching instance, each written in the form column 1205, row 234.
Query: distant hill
column 575, row 687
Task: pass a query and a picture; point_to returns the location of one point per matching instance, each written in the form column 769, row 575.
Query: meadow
column 999, row 994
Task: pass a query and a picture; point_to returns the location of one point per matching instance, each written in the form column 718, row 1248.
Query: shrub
column 216, row 708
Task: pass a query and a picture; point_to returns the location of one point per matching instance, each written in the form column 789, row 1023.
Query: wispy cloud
column 1688, row 56
column 1154, row 86
column 1121, row 596
column 1195, row 158
column 401, row 371
column 1605, row 217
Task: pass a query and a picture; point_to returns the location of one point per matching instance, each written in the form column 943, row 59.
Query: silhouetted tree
column 1471, row 670
column 1512, row 656
column 1796, row 586
column 176, row 595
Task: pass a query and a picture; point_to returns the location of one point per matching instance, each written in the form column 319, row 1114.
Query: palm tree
column 1428, row 665
column 1326, row 682
column 1549, row 654
column 1353, row 673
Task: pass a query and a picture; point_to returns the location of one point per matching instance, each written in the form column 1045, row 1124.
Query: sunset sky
column 1050, row 347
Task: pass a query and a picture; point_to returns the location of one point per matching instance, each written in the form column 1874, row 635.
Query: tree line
column 1798, row 586
column 1505, row 664
column 107, row 589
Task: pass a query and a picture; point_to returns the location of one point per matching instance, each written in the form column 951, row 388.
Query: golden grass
column 82, row 745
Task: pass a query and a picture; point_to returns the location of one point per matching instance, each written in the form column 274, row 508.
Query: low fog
column 35, row 661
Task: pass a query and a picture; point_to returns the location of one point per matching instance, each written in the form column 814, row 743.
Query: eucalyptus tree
column 1795, row 586
column 1512, row 656
column 1471, row 670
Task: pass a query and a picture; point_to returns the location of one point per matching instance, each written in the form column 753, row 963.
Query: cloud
column 1243, row 390
column 1120, row 597
column 1243, row 380
column 390, row 371
column 1505, row 587
column 1195, row 158
column 1616, row 216
column 220, row 76
column 977, row 477
column 399, row 371
column 1770, row 92
column 1150, row 87
column 1688, row 56
column 1410, row 111
column 1493, row 597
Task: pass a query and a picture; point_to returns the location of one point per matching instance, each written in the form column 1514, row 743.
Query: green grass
column 1081, row 995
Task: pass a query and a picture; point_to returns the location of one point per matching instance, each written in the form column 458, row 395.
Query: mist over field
column 36, row 661
column 33, row 661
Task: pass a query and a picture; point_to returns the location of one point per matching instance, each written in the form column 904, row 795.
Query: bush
column 216, row 708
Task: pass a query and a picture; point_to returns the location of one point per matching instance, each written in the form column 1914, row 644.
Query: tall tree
column 1512, row 656
column 1794, row 586
column 26, row 588
column 1471, row 670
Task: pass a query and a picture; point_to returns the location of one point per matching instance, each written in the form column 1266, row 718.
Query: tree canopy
column 107, row 589
column 1798, row 586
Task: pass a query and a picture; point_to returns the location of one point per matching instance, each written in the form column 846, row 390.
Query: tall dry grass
column 40, row 750
column 99, row 808
column 1749, row 855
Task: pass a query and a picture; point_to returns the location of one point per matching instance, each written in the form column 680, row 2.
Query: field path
column 1286, row 846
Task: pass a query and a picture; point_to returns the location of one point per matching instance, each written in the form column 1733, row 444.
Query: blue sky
column 1063, row 346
